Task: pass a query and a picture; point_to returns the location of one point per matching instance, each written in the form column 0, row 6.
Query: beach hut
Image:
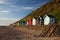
column 34, row 21
column 22, row 23
column 17, row 23
column 30, row 22
column 39, row 20
column 27, row 23
column 49, row 19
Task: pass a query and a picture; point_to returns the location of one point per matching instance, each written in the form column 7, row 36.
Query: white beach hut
column 27, row 23
column 34, row 21
column 48, row 19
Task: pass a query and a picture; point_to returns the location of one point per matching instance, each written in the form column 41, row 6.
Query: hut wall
column 30, row 22
column 27, row 23
column 52, row 20
column 33, row 21
column 20, row 23
column 39, row 20
column 46, row 20
column 17, row 24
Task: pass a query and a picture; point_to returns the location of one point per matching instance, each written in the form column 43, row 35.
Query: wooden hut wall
column 23, row 23
column 30, row 22
column 46, row 20
column 27, row 23
column 34, row 21
column 20, row 23
column 52, row 20
column 17, row 24
column 39, row 20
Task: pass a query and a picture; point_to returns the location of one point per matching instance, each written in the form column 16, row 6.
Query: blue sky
column 17, row 9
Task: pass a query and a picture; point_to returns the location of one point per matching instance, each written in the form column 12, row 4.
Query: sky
column 14, row 10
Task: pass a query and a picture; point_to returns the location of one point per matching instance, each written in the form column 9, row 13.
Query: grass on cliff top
column 56, row 14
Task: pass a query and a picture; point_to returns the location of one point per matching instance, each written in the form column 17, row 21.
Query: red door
column 30, row 22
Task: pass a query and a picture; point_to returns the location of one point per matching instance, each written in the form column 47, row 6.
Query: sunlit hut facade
column 17, row 23
column 49, row 19
column 34, row 21
column 27, row 22
column 30, row 22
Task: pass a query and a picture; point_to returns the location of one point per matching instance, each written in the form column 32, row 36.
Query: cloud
column 5, row 11
column 28, row 8
column 7, row 21
column 20, row 7
column 2, row 1
column 11, row 4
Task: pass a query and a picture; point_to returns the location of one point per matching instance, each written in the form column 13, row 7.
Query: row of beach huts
column 40, row 20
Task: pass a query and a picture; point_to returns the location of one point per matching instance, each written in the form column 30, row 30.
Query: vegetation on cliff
column 52, row 7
